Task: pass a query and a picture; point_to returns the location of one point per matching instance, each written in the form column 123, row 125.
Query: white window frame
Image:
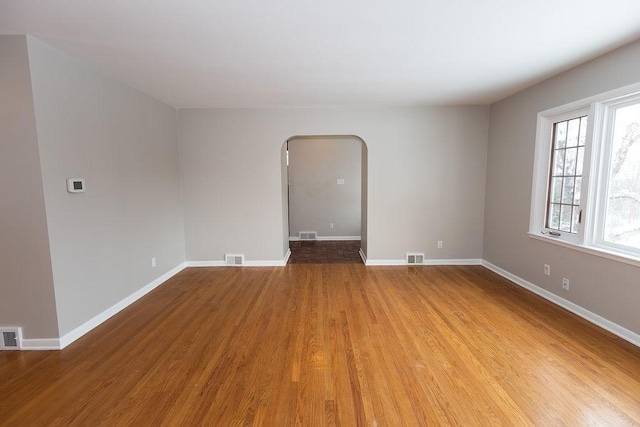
column 594, row 176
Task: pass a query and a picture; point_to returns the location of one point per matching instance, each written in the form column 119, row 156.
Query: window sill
column 602, row 253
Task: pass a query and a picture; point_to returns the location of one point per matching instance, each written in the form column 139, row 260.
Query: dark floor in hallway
column 325, row 252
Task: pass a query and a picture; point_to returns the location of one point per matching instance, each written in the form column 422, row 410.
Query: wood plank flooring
column 325, row 252
column 338, row 344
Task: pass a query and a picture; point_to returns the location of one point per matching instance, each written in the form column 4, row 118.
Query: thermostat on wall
column 75, row 185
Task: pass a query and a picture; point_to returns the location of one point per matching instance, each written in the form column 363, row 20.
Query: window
column 586, row 187
column 618, row 210
column 565, row 182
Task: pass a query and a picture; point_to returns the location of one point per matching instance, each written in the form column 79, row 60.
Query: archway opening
column 325, row 193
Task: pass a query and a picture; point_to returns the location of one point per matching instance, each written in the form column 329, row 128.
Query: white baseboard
column 41, row 344
column 266, row 263
column 452, row 262
column 297, row 239
column 206, row 264
column 425, row 262
column 114, row 309
column 363, row 256
column 385, row 262
column 600, row 321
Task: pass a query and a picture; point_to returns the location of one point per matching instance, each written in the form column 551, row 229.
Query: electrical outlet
column 439, row 244
column 547, row 270
column 153, row 262
column 565, row 283
column 330, row 225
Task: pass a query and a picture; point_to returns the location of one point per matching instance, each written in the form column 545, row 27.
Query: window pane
column 565, row 218
column 622, row 216
column 567, row 190
column 554, row 217
column 583, row 131
column 577, row 192
column 573, row 132
column 558, row 162
column 580, row 161
column 561, row 135
column 570, row 161
column 556, row 190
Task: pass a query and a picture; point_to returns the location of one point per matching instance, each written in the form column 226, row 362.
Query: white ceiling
column 307, row 53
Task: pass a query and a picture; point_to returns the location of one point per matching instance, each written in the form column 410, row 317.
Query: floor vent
column 11, row 338
column 234, row 259
column 415, row 258
column 308, row 235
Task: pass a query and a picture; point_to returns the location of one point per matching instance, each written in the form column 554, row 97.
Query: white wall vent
column 234, row 259
column 415, row 258
column 308, row 235
column 11, row 338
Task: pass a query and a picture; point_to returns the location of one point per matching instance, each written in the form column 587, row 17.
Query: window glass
column 565, row 177
column 622, row 214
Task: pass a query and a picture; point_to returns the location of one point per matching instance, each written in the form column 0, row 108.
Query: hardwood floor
column 325, row 252
column 338, row 344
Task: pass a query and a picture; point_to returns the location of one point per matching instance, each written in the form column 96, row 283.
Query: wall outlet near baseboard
column 565, row 283
column 153, row 262
column 439, row 244
column 547, row 270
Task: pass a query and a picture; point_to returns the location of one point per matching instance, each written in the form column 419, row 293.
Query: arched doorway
column 325, row 187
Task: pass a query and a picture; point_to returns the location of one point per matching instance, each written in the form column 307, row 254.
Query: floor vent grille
column 415, row 258
column 234, row 259
column 11, row 338
column 308, row 235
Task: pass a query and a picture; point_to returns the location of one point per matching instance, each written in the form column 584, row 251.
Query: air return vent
column 415, row 258
column 11, row 338
column 234, row 259
column 308, row 235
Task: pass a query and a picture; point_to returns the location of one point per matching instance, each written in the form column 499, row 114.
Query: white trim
column 339, row 238
column 363, row 256
column 206, row 264
column 262, row 263
column 114, row 309
column 385, row 262
column 462, row 261
column 41, row 344
column 597, row 320
column 452, row 262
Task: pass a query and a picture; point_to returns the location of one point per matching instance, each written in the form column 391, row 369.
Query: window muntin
column 565, row 175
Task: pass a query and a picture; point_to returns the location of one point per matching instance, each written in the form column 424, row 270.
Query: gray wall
column 26, row 288
column 124, row 144
column 605, row 287
column 426, row 173
column 315, row 198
